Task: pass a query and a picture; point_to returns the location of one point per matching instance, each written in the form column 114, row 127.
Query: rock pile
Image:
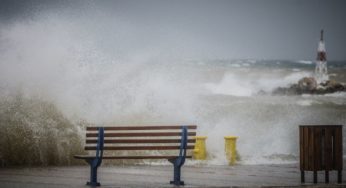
column 309, row 85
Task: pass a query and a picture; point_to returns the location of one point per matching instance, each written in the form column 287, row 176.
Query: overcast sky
column 259, row 29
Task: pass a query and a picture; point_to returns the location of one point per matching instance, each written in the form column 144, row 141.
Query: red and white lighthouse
column 321, row 72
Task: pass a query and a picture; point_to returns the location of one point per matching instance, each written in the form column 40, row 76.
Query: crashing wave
column 37, row 133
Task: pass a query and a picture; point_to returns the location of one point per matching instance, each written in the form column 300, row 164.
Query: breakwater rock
column 309, row 85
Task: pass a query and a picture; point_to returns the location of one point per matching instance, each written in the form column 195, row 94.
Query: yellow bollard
column 231, row 149
column 199, row 151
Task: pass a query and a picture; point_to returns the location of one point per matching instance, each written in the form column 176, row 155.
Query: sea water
column 222, row 97
column 57, row 76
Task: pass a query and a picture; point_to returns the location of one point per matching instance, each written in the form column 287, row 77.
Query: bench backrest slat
column 140, row 134
column 142, row 128
column 138, row 147
column 137, row 141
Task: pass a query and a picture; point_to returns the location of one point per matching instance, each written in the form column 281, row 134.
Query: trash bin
column 320, row 149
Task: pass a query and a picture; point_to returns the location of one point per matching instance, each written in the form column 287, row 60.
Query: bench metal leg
column 339, row 176
column 177, row 172
column 93, row 173
column 93, row 177
column 302, row 176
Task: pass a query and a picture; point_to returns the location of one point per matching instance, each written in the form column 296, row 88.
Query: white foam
column 235, row 65
column 305, row 62
column 251, row 61
column 305, row 102
column 337, row 94
column 262, row 160
column 230, row 85
column 243, row 85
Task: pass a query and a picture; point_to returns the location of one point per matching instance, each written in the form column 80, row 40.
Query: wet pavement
column 287, row 175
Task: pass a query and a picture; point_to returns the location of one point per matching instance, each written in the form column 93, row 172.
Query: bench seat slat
column 140, row 134
column 137, row 141
column 138, row 147
column 143, row 127
column 129, row 157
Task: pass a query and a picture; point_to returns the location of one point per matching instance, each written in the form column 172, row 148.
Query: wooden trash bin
column 321, row 149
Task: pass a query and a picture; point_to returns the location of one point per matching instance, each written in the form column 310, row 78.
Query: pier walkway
column 287, row 175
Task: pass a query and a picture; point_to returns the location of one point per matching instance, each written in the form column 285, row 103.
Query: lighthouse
column 321, row 72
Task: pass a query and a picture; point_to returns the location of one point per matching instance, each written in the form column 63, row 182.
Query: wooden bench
column 177, row 139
